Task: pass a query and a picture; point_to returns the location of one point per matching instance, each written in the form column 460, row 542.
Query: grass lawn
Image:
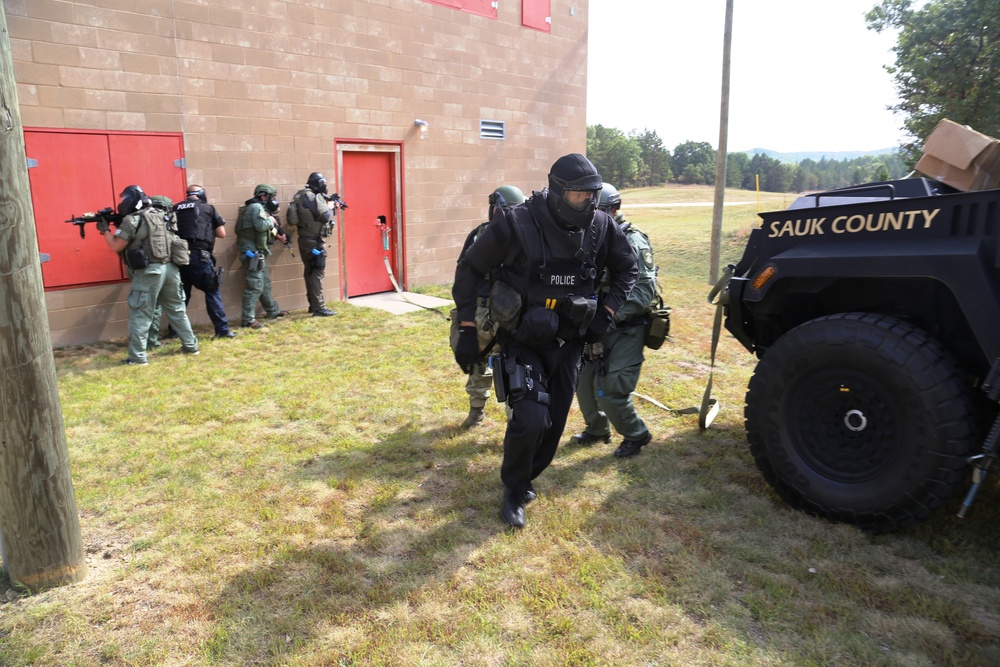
column 302, row 495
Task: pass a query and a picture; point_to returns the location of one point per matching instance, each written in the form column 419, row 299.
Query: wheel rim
column 844, row 424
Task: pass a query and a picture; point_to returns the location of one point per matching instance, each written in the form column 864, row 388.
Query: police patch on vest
column 647, row 256
column 563, row 280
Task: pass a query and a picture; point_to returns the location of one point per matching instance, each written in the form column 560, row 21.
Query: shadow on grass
column 690, row 523
column 705, row 532
column 404, row 515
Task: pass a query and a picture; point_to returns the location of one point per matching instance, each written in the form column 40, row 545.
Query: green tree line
column 947, row 65
column 640, row 159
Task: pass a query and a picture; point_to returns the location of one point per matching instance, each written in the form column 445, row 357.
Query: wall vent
column 492, row 129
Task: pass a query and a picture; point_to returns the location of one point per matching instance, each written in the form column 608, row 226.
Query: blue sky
column 806, row 75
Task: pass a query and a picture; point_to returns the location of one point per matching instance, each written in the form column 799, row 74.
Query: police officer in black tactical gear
column 543, row 258
column 200, row 224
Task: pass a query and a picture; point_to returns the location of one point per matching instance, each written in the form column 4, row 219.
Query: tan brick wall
column 261, row 97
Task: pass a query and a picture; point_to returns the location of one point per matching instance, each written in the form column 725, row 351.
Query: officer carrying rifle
column 545, row 256
column 103, row 218
column 312, row 212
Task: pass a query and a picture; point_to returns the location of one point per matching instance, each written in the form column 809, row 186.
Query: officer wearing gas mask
column 200, row 224
column 612, row 367
column 256, row 230
column 145, row 242
column 312, row 216
column 543, row 258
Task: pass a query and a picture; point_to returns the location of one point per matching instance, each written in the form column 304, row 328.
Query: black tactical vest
column 550, row 273
column 195, row 225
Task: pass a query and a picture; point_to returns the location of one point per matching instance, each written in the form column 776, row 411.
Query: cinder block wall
column 260, row 90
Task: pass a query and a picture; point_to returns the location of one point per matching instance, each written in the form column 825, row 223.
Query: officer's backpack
column 292, row 215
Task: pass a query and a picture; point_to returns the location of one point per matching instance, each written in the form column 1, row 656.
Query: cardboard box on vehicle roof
column 961, row 157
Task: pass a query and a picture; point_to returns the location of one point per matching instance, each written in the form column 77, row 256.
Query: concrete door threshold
column 395, row 303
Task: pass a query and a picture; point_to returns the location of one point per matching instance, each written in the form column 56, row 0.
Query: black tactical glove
column 103, row 225
column 467, row 350
column 599, row 326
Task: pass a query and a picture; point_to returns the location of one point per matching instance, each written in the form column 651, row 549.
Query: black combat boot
column 585, row 438
column 512, row 510
column 529, row 494
column 632, row 447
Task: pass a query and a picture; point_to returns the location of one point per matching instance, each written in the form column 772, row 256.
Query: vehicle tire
column 860, row 418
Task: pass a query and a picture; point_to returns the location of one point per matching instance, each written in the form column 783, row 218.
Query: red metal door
column 71, row 175
column 76, row 172
column 149, row 161
column 369, row 187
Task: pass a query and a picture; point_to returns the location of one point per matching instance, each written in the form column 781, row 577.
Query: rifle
column 336, row 203
column 278, row 231
column 594, row 353
column 106, row 215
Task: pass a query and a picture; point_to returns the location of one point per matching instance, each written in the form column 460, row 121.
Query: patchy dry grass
column 303, row 496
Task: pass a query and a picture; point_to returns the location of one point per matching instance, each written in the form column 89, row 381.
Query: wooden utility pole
column 40, row 540
column 720, row 160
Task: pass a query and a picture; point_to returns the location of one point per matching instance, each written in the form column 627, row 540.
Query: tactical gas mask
column 316, row 183
column 272, row 204
column 578, row 215
column 132, row 199
column 574, row 173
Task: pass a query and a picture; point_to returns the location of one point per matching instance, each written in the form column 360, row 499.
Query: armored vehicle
column 874, row 312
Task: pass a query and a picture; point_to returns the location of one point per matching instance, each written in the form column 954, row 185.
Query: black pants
column 200, row 273
column 534, row 429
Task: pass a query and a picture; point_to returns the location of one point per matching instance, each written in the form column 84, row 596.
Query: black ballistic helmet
column 573, row 172
column 316, row 183
column 610, row 198
column 132, row 199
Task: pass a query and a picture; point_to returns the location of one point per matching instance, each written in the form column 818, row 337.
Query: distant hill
column 795, row 158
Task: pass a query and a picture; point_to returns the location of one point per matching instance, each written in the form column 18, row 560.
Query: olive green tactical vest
column 247, row 231
column 152, row 234
column 307, row 223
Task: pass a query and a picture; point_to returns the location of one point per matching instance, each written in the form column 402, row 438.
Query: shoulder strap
column 520, row 233
column 596, row 241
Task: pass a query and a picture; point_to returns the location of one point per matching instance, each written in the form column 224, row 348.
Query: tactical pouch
column 136, row 258
column 256, row 262
column 538, row 328
column 510, row 379
column 500, row 389
column 317, row 257
column 505, row 305
column 658, row 327
column 514, row 380
column 486, row 328
column 214, row 280
column 180, row 253
column 579, row 310
column 517, row 376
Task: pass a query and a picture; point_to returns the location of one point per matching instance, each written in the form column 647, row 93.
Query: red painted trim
column 133, row 133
